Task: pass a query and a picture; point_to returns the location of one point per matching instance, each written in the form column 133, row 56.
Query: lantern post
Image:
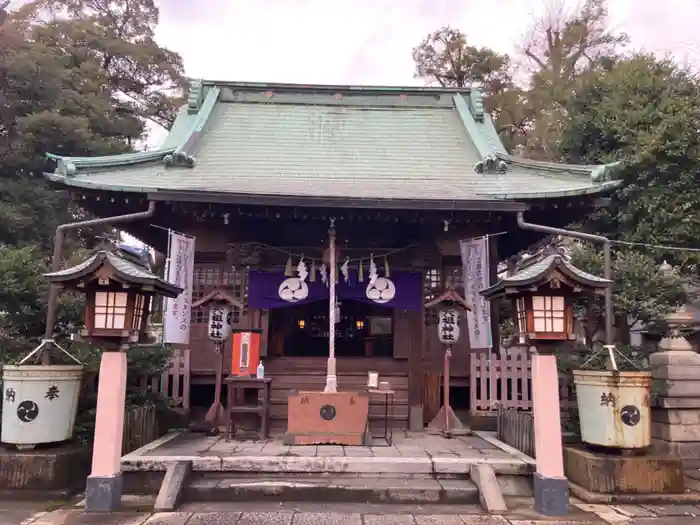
column 221, row 307
column 118, row 287
column 543, row 294
column 448, row 327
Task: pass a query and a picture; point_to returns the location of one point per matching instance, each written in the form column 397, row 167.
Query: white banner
column 475, row 272
column 176, row 316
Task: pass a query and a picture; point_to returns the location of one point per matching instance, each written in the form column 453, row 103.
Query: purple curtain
column 401, row 290
column 268, row 290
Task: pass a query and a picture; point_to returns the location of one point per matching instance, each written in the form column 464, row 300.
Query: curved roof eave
column 591, row 190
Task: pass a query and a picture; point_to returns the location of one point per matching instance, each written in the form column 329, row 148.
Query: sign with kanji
column 219, row 328
column 448, row 326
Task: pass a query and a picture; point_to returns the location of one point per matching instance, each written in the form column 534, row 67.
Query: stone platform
column 417, row 468
column 410, row 454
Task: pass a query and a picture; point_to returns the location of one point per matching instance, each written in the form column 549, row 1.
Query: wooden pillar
column 103, row 491
column 415, row 367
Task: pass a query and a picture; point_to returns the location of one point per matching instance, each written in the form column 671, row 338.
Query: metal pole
column 607, row 263
column 58, row 247
column 331, row 379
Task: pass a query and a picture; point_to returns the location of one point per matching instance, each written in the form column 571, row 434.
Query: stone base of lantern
column 323, row 418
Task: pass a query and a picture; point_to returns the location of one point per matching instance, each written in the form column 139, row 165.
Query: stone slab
column 675, row 432
column 336, row 489
column 608, row 474
column 677, row 388
column 676, row 402
column 265, row 518
column 490, row 495
column 173, row 484
column 676, row 416
column 680, row 372
column 680, row 357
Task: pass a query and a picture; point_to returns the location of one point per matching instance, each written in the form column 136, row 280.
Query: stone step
column 341, row 489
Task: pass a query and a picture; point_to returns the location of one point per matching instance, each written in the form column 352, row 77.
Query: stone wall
column 675, row 427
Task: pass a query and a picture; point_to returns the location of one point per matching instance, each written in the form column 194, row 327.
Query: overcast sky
column 370, row 41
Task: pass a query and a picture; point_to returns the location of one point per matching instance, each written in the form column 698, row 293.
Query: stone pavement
column 521, row 513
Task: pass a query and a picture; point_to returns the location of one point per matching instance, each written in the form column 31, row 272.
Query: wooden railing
column 140, row 427
column 507, row 382
column 516, row 428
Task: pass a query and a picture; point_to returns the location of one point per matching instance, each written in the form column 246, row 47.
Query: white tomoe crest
column 381, row 291
column 293, row 289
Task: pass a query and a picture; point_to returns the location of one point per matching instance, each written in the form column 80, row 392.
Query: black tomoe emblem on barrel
column 27, row 411
column 630, row 415
column 327, row 412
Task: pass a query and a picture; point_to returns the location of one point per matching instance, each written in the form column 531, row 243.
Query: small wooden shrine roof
column 127, row 269
column 320, row 145
column 537, row 272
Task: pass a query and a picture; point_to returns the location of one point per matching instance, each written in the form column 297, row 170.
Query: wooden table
column 388, row 411
column 260, row 409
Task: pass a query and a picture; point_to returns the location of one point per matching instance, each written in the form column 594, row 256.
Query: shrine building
column 259, row 173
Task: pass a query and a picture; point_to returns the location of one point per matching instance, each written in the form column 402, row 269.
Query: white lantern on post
column 219, row 328
column 448, row 326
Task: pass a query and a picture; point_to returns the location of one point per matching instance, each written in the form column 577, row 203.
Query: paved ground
column 521, row 513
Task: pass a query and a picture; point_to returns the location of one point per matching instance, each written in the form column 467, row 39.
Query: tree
column 563, row 45
column 77, row 78
column 444, row 57
column 645, row 113
column 642, row 291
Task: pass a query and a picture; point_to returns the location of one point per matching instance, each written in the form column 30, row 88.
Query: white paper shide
column 475, row 268
column 180, row 273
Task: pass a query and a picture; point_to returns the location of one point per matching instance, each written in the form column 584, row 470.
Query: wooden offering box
column 319, row 418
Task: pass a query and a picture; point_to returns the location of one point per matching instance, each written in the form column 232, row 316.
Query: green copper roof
column 333, row 142
column 538, row 271
column 126, row 270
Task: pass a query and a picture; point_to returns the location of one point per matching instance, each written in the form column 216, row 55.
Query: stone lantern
column 543, row 295
column 118, row 287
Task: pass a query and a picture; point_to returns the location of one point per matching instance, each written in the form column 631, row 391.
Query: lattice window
column 548, row 313
column 453, row 275
column 208, row 277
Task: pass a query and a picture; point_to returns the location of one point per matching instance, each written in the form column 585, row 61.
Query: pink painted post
column 550, row 485
column 104, row 485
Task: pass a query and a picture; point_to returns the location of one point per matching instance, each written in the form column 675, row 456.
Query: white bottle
column 260, row 373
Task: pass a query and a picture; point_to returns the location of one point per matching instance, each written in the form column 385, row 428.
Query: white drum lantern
column 219, row 328
column 448, row 326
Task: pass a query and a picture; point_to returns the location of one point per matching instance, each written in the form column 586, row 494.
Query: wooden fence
column 140, row 427
column 174, row 382
column 516, row 428
column 507, row 382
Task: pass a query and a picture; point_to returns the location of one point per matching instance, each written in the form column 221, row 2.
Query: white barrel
column 614, row 408
column 39, row 403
